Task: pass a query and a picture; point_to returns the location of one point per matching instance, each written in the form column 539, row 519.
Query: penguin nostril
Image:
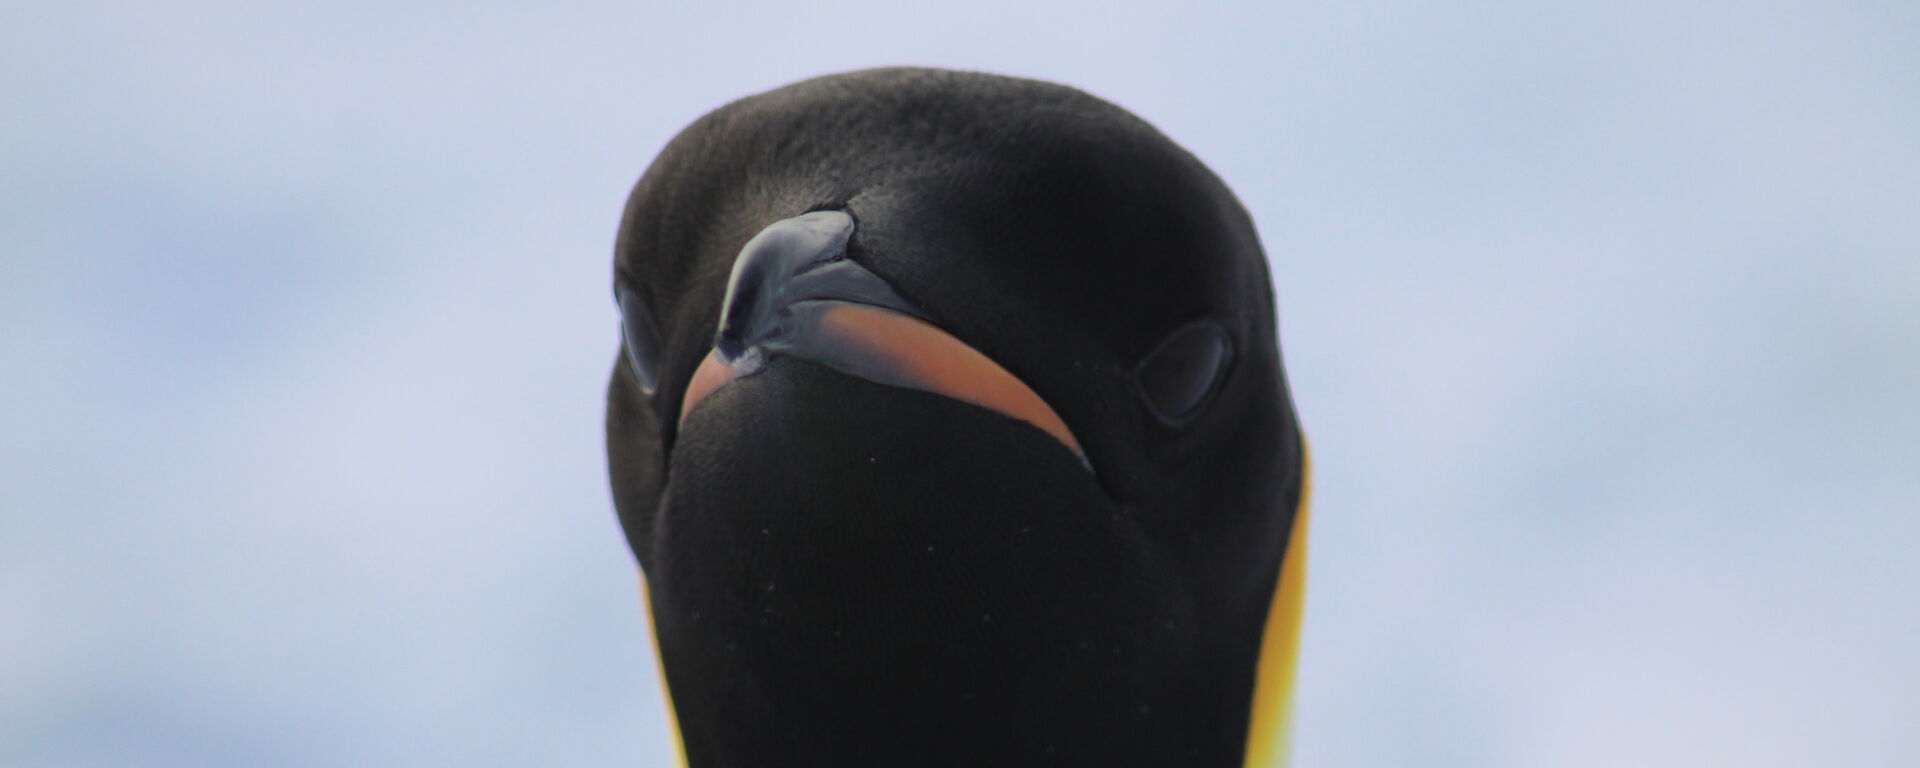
column 729, row 344
column 741, row 312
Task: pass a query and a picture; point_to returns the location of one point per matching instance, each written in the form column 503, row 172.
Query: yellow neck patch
column 1269, row 731
column 666, row 696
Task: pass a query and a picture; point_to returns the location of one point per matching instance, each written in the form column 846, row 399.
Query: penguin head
column 950, row 427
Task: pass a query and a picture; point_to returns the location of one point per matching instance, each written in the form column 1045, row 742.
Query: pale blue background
column 1604, row 319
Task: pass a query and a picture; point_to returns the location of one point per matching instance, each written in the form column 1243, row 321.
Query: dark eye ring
column 641, row 339
column 1181, row 374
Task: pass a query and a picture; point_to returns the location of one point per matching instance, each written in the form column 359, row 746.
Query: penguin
column 950, row 428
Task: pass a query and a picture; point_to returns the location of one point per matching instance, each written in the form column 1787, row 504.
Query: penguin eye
column 1181, row 373
column 642, row 340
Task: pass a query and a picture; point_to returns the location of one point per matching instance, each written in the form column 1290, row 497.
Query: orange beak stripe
column 921, row 356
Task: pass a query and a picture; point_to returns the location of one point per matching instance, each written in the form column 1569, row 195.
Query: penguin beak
column 793, row 292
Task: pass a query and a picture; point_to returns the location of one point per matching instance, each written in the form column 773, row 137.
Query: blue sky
column 1604, row 320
